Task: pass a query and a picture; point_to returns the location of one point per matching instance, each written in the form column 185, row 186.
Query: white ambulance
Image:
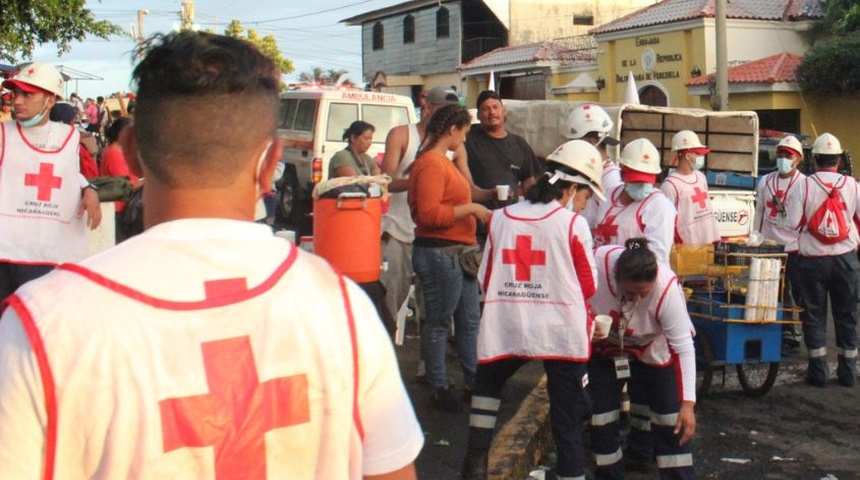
column 311, row 126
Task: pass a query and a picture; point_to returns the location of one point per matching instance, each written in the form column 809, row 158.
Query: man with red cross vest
column 828, row 265
column 205, row 347
column 771, row 214
column 687, row 188
column 43, row 194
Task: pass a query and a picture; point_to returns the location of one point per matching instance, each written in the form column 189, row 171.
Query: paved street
column 795, row 432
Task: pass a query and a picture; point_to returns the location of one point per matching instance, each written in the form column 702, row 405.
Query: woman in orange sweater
column 440, row 201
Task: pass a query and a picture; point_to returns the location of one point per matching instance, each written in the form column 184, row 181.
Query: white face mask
column 36, row 118
column 639, row 190
column 784, row 164
column 260, row 163
column 698, row 163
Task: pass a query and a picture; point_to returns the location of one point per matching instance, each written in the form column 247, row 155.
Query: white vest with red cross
column 657, row 329
column 689, row 194
column 653, row 218
column 772, row 200
column 813, row 197
column 41, row 196
column 206, row 349
column 533, row 299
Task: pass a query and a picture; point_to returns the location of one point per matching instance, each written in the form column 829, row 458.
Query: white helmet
column 642, row 156
column 791, row 143
column 39, row 75
column 686, row 140
column 827, row 144
column 589, row 118
column 585, row 159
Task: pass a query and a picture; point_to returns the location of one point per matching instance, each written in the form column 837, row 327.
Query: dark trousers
column 835, row 277
column 656, row 390
column 13, row 275
column 568, row 408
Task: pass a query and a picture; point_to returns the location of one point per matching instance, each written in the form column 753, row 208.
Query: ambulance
column 311, row 125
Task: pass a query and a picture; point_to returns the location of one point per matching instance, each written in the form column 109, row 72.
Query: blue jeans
column 448, row 293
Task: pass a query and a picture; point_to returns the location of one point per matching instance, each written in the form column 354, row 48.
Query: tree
column 24, row 24
column 268, row 45
column 832, row 65
column 320, row 76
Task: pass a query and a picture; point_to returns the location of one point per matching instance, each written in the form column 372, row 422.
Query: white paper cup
column 602, row 325
column 503, row 192
column 288, row 235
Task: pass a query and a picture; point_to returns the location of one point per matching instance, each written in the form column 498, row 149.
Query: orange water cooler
column 347, row 233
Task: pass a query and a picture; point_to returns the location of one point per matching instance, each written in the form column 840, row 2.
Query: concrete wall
column 537, row 20
column 428, row 55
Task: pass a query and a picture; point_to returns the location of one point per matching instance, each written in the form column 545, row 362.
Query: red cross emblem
column 645, row 156
column 606, row 230
column 700, row 197
column 236, row 413
column 44, row 181
column 523, row 258
column 31, row 71
column 774, row 209
column 588, row 116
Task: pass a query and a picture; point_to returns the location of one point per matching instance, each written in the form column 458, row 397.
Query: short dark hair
column 357, row 128
column 827, row 160
column 486, row 95
column 100, row 99
column 637, row 263
column 202, row 101
column 115, row 128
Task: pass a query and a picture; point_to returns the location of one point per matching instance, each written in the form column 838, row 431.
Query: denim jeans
column 447, row 293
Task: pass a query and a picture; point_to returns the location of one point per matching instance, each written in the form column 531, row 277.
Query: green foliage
column 25, row 24
column 268, row 45
column 832, row 67
column 322, row 77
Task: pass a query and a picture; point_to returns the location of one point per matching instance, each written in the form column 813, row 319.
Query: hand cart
column 731, row 331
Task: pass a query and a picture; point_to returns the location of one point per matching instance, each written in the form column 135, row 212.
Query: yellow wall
column 836, row 115
column 675, row 53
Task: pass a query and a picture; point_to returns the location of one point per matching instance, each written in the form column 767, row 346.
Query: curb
column 518, row 445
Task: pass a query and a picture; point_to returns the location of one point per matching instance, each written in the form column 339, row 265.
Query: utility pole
column 720, row 99
column 140, row 36
column 187, row 14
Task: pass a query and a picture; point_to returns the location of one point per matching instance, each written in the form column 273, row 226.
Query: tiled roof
column 670, row 11
column 773, row 69
column 545, row 51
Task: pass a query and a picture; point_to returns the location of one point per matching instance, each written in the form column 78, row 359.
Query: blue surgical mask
column 639, row 190
column 698, row 163
column 784, row 164
column 36, row 118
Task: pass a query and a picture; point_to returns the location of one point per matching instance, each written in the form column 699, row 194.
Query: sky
column 308, row 32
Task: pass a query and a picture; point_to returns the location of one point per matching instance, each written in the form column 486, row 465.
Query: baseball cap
column 442, row 96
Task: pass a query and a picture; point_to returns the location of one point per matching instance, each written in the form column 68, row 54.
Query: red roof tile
column 670, row 11
column 773, row 69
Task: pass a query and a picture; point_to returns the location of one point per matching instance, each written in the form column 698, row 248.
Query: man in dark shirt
column 496, row 156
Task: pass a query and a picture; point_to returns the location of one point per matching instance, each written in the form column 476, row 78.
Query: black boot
column 475, row 465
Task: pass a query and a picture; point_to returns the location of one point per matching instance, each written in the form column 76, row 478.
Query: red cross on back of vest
column 700, row 197
column 235, row 415
column 523, row 258
column 605, row 231
column 44, row 181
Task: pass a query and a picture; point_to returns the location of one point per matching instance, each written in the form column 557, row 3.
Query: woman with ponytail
column 650, row 347
column 538, row 273
column 445, row 216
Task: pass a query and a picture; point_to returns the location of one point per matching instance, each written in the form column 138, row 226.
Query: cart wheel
column 704, row 359
column 757, row 378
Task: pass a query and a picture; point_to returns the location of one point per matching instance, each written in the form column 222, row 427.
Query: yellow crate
column 691, row 259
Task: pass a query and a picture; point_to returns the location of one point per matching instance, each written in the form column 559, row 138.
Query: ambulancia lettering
column 368, row 97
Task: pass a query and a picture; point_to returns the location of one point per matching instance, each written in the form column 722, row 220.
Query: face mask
column 639, row 190
column 260, row 168
column 569, row 205
column 36, row 119
column 698, row 163
column 784, row 164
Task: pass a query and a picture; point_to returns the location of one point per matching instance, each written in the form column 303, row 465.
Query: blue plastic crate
column 736, row 342
column 730, row 179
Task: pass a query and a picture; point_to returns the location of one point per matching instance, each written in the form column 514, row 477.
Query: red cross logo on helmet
column 645, row 156
column 31, row 71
